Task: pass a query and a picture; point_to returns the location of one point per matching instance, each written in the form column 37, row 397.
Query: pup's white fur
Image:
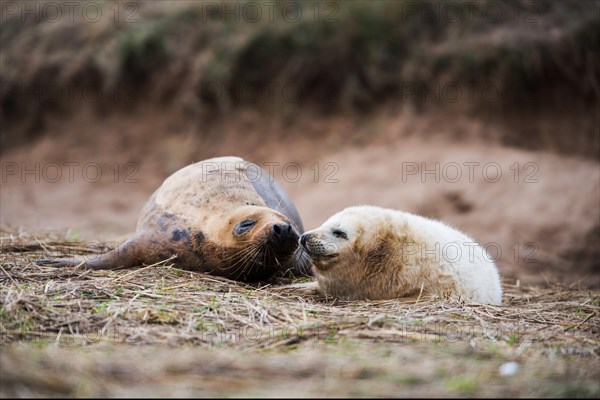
column 368, row 252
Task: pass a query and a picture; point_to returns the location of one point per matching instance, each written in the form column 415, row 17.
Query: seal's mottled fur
column 194, row 215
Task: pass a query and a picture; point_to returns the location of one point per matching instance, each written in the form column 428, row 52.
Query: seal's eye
column 244, row 226
column 340, row 234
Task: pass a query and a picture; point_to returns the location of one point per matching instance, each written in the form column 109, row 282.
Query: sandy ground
column 536, row 212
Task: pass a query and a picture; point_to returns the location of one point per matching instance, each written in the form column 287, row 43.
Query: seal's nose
column 303, row 238
column 282, row 229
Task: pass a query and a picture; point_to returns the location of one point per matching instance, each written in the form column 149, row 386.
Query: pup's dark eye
column 244, row 226
column 340, row 234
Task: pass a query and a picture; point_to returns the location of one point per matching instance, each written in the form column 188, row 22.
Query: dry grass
column 162, row 331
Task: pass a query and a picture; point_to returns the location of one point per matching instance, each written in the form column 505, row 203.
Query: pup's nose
column 303, row 238
column 282, row 229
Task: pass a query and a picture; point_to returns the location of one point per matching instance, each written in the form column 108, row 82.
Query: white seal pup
column 367, row 252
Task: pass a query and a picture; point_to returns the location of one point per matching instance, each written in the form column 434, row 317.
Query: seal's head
column 254, row 242
column 347, row 239
column 354, row 253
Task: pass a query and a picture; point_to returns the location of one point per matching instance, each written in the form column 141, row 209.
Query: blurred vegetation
column 541, row 58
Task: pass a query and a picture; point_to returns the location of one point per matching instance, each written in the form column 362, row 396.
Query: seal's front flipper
column 59, row 263
column 127, row 255
column 92, row 263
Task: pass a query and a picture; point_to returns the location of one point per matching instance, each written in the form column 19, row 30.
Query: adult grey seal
column 222, row 216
